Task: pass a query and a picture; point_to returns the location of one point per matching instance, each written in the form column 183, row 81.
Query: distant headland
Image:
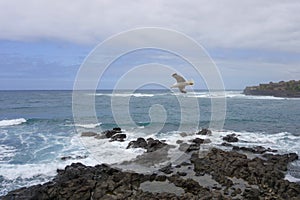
column 280, row 89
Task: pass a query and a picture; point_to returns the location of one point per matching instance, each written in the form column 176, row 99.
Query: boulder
column 139, row 143
column 118, row 137
column 167, row 169
column 150, row 145
column 204, row 131
column 231, row 138
column 110, row 133
column 154, row 145
column 197, row 141
column 256, row 149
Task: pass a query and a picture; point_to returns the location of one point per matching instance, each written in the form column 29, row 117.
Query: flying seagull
column 181, row 83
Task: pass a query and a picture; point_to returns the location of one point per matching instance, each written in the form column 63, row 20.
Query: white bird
column 181, row 83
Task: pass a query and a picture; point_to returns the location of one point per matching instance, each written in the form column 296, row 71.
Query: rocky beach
column 231, row 172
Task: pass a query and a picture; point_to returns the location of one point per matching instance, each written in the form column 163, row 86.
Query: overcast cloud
column 252, row 41
column 228, row 24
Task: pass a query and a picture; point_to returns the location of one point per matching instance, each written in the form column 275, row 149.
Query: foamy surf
column 125, row 94
column 12, row 122
column 88, row 125
column 24, row 175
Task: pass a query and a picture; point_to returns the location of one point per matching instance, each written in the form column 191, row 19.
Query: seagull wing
column 182, row 89
column 178, row 78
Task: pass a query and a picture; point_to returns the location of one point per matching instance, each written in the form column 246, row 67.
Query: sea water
column 37, row 128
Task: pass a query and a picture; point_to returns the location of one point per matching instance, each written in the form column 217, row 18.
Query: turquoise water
column 37, row 127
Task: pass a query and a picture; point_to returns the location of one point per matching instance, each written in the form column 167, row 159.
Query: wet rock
column 193, row 147
column 88, row 134
column 154, row 145
column 117, row 130
column 183, row 134
column 197, row 141
column 150, row 145
column 256, row 149
column 185, row 163
column 179, row 141
column 161, row 178
column 231, row 138
column 110, row 133
column 139, row 143
column 251, row 193
column 225, row 144
column 206, row 141
column 266, row 174
column 182, row 173
column 204, row 132
column 263, row 178
column 118, row 137
column 167, row 169
column 183, row 147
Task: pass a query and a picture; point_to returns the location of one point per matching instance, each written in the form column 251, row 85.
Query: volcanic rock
column 231, row 138
column 118, row 137
column 204, row 132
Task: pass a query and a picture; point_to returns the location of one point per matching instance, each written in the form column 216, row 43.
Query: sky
column 44, row 43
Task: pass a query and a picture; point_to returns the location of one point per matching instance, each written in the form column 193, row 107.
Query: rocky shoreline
column 237, row 173
column 281, row 89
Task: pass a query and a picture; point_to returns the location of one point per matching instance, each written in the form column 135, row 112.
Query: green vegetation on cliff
column 280, row 89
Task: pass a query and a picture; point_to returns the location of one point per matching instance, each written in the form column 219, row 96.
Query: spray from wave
column 12, row 122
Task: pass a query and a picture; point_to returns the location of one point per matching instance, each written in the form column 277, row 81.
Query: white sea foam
column 88, row 125
column 291, row 178
column 197, row 94
column 6, row 152
column 24, row 175
column 125, row 94
column 229, row 94
column 111, row 152
column 11, row 122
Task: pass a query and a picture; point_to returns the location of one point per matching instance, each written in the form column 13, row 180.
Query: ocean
column 38, row 134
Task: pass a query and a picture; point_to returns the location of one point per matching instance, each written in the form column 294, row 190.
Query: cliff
column 280, row 89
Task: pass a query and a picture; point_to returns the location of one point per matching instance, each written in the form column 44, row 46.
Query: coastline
column 289, row 89
column 247, row 173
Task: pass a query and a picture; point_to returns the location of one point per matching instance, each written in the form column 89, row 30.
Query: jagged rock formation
column 213, row 174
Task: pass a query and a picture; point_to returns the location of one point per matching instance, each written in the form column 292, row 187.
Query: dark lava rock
column 117, row 129
column 251, row 193
column 264, row 177
column 182, row 173
column 256, row 149
column 204, row 132
column 160, row 178
column 198, row 141
column 79, row 182
column 225, row 144
column 167, row 169
column 139, row 143
column 193, row 147
column 154, row 145
column 183, row 134
column 189, row 147
column 118, row 137
column 88, row 134
column 150, row 145
column 179, row 141
column 267, row 174
column 110, row 133
column 231, row 138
